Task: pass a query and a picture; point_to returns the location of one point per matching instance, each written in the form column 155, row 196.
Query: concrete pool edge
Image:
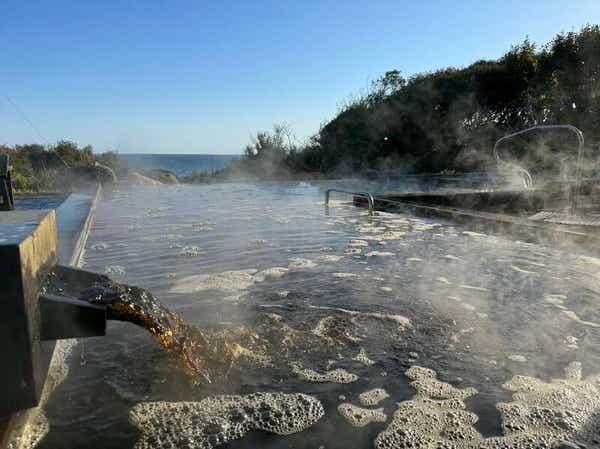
column 74, row 219
column 516, row 227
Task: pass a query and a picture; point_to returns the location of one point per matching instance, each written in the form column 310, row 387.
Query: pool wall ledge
column 28, row 251
column 31, row 243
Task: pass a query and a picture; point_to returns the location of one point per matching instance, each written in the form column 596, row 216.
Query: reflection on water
column 328, row 298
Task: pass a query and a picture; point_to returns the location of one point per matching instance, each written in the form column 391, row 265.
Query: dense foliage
column 39, row 168
column 448, row 120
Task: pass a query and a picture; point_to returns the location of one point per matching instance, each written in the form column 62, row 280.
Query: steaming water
column 347, row 304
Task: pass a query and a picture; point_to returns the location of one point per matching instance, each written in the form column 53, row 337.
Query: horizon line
column 170, row 154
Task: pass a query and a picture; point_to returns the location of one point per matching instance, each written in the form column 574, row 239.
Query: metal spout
column 63, row 314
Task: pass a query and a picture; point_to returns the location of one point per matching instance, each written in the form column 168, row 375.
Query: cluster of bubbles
column 190, row 251
column 561, row 413
column 338, row 376
column 234, row 282
column 360, row 417
column 363, row 358
column 218, row 420
column 114, row 270
column 373, row 397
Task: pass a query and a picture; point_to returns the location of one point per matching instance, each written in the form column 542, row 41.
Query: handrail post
column 371, row 201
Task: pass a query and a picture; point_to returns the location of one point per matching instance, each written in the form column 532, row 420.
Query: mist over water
column 344, row 304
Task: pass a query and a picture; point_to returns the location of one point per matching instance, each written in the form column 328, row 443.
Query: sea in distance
column 180, row 164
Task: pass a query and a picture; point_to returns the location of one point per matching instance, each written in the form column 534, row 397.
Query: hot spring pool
column 470, row 319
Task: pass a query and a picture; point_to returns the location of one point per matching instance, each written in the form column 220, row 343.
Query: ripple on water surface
column 358, row 300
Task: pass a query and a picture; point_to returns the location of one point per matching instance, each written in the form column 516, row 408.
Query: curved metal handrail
column 528, row 179
column 523, row 171
column 366, row 195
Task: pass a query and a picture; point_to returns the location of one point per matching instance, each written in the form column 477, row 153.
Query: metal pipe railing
column 366, row 195
column 528, row 179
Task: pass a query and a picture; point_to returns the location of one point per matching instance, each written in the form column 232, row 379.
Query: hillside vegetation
column 440, row 122
column 447, row 120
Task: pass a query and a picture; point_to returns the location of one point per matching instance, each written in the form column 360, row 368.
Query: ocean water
column 180, row 164
column 387, row 302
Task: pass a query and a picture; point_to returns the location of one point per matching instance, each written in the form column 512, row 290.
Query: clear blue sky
column 201, row 77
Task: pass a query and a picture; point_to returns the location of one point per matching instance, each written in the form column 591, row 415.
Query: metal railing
column 527, row 178
column 571, row 128
column 366, row 195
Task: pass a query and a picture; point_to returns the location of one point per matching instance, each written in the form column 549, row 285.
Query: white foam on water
column 356, row 242
column 102, row 246
column 442, row 280
column 401, row 320
column 572, row 342
column 574, row 317
column 589, row 260
column 202, row 227
column 226, row 281
column 328, row 326
column 414, row 259
column 360, row 417
column 156, row 212
column 353, row 251
column 229, row 281
column 329, row 258
column 387, row 235
column 379, row 254
column 259, row 242
column 338, row 376
column 219, row 420
column 517, row 358
column 345, row 275
column 362, row 357
column 472, row 287
column 113, row 270
column 369, row 229
column 190, row 251
column 373, row 397
column 556, row 300
column 474, row 234
column 422, row 226
column 561, row 413
column 298, row 263
column 270, row 273
column 456, row 337
column 521, row 270
column 386, row 289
